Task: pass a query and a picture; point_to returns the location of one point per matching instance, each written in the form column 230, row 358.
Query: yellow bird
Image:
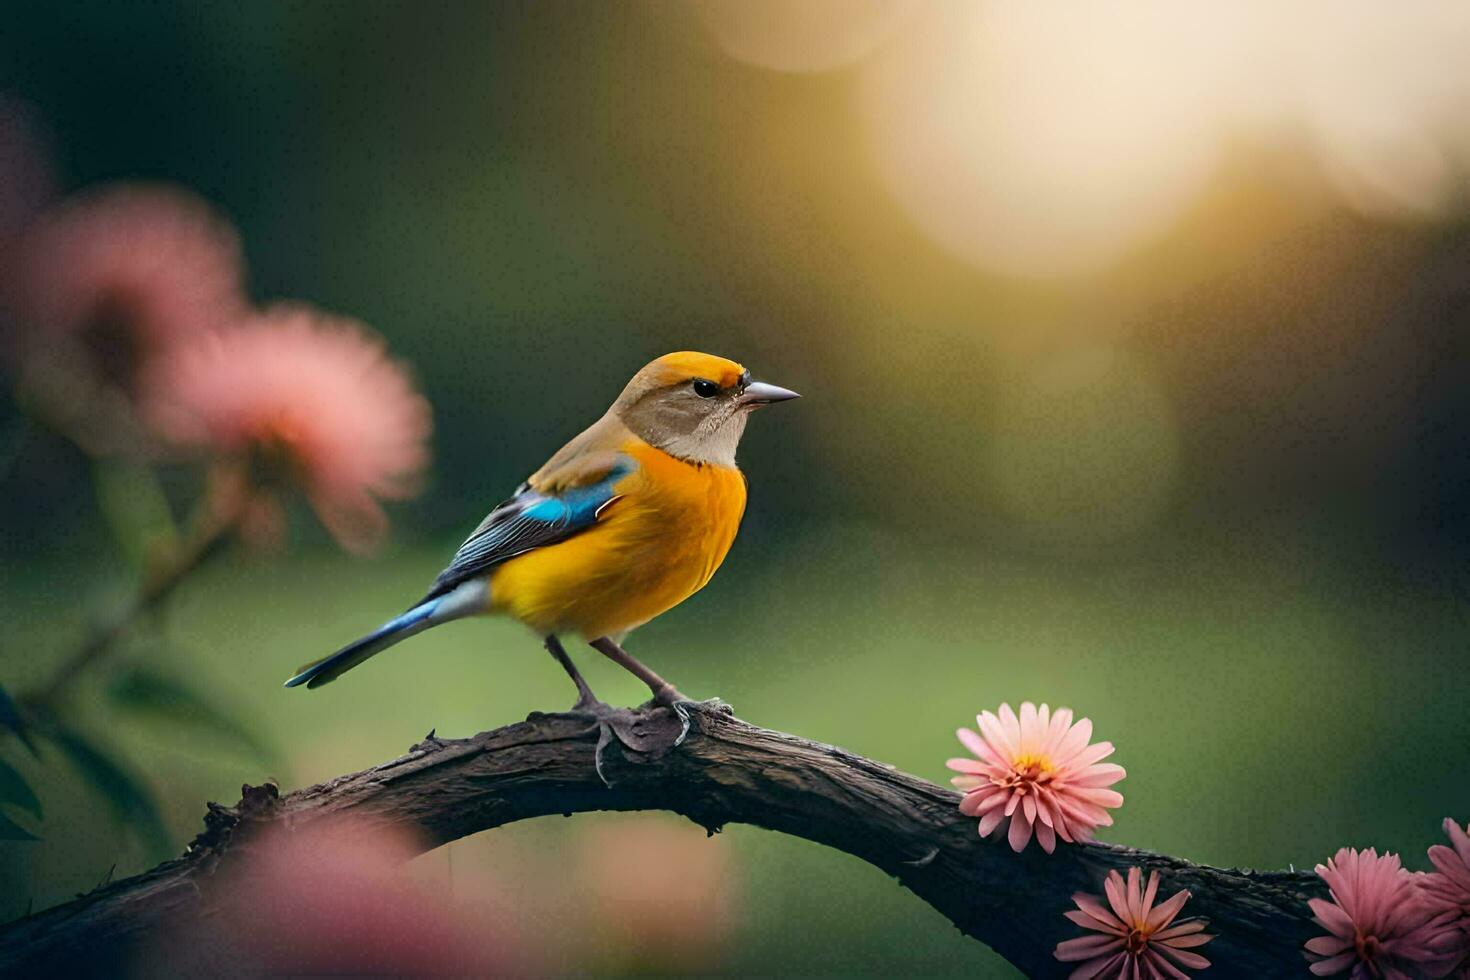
column 623, row 523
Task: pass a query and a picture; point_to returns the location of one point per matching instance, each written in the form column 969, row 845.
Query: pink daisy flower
column 1447, row 889
column 293, row 396
column 123, row 270
column 1039, row 772
column 1135, row 938
column 1378, row 921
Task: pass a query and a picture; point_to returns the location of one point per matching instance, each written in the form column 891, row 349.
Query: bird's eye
column 705, row 389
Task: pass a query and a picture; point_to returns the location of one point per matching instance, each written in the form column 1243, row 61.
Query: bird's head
column 693, row 405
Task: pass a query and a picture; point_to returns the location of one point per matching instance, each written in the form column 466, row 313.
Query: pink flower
column 337, row 899
column 293, row 396
column 1378, row 921
column 1135, row 937
column 1039, row 772
column 124, row 270
column 1447, row 889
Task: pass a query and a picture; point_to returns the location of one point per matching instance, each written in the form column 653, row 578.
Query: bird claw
column 627, row 725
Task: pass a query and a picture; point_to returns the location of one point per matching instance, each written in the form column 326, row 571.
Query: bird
column 624, row 522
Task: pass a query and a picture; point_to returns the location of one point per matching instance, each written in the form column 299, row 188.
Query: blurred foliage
column 11, row 720
column 133, row 504
column 149, row 692
column 124, row 790
column 1213, row 493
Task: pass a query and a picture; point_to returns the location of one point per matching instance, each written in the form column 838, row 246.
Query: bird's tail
column 468, row 599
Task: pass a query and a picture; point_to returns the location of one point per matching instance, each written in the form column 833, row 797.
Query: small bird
column 626, row 521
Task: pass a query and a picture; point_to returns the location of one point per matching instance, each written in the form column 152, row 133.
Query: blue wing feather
column 530, row 519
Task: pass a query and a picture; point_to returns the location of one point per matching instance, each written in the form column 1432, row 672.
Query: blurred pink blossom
column 1379, row 922
column 121, row 271
column 1135, row 938
column 1447, row 889
column 296, row 397
column 1039, row 772
column 337, row 900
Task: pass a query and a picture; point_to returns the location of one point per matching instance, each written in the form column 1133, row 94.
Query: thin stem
column 210, row 534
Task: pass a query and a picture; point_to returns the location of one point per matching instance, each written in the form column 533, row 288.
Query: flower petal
column 1135, row 895
column 1331, row 917
column 1113, row 886
column 1087, row 921
column 1103, row 966
column 1164, row 913
column 1099, row 775
column 1183, row 957
column 995, row 736
column 1011, row 725
column 1020, row 833
column 1184, row 942
column 1086, row 947
column 1183, row 928
column 976, row 744
column 1328, row 945
column 990, row 820
column 1326, row 968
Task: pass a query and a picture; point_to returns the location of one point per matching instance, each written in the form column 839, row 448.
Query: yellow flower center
column 1029, row 770
column 1137, row 940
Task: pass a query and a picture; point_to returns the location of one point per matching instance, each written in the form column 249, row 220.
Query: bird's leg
column 585, row 698
column 623, row 724
column 663, row 692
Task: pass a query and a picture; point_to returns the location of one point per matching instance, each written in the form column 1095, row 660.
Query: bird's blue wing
column 532, row 519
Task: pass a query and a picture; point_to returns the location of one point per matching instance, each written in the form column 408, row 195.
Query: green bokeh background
column 1228, row 524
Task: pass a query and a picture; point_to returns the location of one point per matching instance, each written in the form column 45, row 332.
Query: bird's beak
column 759, row 393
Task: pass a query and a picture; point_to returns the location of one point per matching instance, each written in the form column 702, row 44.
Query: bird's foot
column 636, row 729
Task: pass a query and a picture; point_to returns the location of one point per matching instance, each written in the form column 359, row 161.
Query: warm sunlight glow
column 1046, row 139
column 1040, row 139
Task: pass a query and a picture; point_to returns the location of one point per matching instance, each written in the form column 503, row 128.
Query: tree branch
column 725, row 771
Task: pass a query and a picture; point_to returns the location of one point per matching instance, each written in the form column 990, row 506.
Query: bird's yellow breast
column 654, row 546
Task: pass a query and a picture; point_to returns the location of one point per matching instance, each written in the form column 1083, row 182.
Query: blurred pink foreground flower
column 1447, row 889
column 1379, row 922
column 335, row 899
column 295, row 396
column 1135, row 937
column 1039, row 772
column 127, row 269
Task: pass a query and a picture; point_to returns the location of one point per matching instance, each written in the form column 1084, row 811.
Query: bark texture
column 724, row 771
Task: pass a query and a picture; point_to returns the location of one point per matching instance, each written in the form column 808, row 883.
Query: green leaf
column 131, row 801
column 151, row 692
column 15, row 790
column 134, row 505
column 11, row 720
column 10, row 830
